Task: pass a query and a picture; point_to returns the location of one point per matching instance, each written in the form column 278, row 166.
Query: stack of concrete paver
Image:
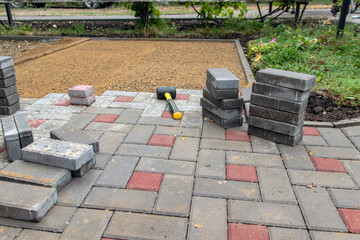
column 9, row 97
column 81, row 95
column 221, row 102
column 278, row 104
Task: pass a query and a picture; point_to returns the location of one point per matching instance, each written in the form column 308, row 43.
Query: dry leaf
column 310, row 153
column 211, row 120
column 197, row 225
column 310, row 186
column 184, row 138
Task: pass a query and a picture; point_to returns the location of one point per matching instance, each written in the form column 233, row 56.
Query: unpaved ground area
column 127, row 66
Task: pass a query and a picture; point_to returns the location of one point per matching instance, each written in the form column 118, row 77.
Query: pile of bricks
column 9, row 97
column 278, row 104
column 81, row 95
column 221, row 102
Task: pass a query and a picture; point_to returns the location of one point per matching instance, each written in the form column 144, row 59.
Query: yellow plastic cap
column 177, row 115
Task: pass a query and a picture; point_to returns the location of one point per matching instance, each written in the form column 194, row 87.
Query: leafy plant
column 211, row 10
column 144, row 11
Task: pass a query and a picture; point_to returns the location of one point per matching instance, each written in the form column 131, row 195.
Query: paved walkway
column 159, row 178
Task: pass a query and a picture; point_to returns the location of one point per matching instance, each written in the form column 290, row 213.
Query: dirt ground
column 125, row 65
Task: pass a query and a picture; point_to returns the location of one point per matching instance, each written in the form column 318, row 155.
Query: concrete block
column 224, row 123
column 345, row 198
column 74, row 135
column 137, row 150
column 84, row 169
column 335, row 152
column 163, row 166
column 24, row 129
column 8, row 110
column 279, row 92
column 245, row 93
column 276, row 233
column 7, row 82
column 37, row 174
column 57, row 153
column 7, row 72
column 276, row 126
column 232, row 93
column 185, row 149
column 211, row 164
column 275, row 136
column 224, row 104
column 281, row 116
column 288, row 79
column 25, row 202
column 140, row 134
column 10, row 100
column 261, row 145
column 212, row 130
column 101, row 161
column 86, row 101
column 110, row 141
column 81, row 91
column 254, row 159
column 225, row 145
column 222, row 78
column 5, row 92
column 6, row 62
column 224, row 114
column 296, row 157
column 335, row 137
column 129, row 116
column 11, row 137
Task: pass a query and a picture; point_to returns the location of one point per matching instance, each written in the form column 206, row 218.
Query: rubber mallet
column 169, row 93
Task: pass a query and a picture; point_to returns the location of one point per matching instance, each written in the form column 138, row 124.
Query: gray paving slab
column 276, row 233
column 27, row 234
column 10, row 100
column 95, row 134
column 87, row 224
column 344, row 198
column 296, row 157
column 192, row 119
column 275, row 186
column 117, row 172
column 275, row 126
column 224, row 104
column 174, row 196
column 353, row 168
column 49, row 99
column 146, row 226
column 101, row 161
column 185, row 149
column 229, row 93
column 319, row 210
column 5, row 92
column 8, row 110
column 165, row 166
column 54, row 221
column 335, row 137
column 159, row 121
column 143, row 97
column 273, row 114
column 178, row 131
column 313, row 140
column 279, row 92
column 275, row 136
column 356, row 141
column 261, row 145
column 317, row 235
column 211, row 164
column 226, row 189
column 125, row 105
column 274, row 214
column 103, row 101
column 24, row 130
column 139, row 134
column 110, row 141
column 129, row 116
column 222, row 78
column 205, row 224
column 335, row 152
column 254, row 159
column 84, row 169
column 75, row 192
column 120, row 199
column 126, row 149
column 6, row 62
column 12, row 139
column 119, row 93
column 351, row 131
column 223, row 114
column 109, row 127
column 81, row 121
column 224, row 123
column 154, row 110
column 225, row 145
column 7, row 233
column 212, row 130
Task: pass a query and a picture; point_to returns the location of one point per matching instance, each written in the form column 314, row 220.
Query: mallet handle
column 176, row 113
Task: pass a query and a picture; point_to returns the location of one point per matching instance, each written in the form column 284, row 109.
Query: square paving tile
column 145, row 181
column 238, row 231
column 328, row 165
column 311, row 131
column 237, row 136
column 162, row 140
column 35, row 123
column 169, row 114
column 62, row 102
column 351, row 218
column 105, row 118
column 124, row 99
column 241, row 173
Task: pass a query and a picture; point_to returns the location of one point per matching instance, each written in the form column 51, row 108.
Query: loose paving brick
column 174, row 196
column 224, row 104
column 36, row 235
column 185, row 149
column 318, row 209
column 275, row 136
column 296, row 157
column 109, row 142
column 353, row 168
column 101, row 161
column 8, row 232
column 84, row 169
column 224, row 114
column 222, row 78
column 211, row 164
column 6, row 61
column 7, row 72
column 260, row 145
column 275, row 186
column 192, row 119
column 145, row 226
column 281, row 116
column 275, row 126
column 345, row 198
column 12, row 139
column 241, row 173
column 109, row 127
column 351, row 218
column 143, row 151
column 281, row 215
column 226, row 189
column 224, row 123
column 165, row 166
column 124, row 99
column 139, row 134
column 117, row 172
column 81, row 91
column 162, row 140
column 328, row 165
column 120, row 199
column 247, row 231
column 206, row 224
column 10, row 100
column 225, row 145
column 75, row 192
column 315, row 235
column 6, row 92
column 219, row 94
column 6, row 82
column 351, row 131
column 212, row 130
column 279, row 92
column 24, row 130
column 237, row 136
column 254, row 159
column 334, row 137
column 276, row 233
column 335, row 152
column 145, row 181
column 129, row 116
column 313, row 140
column 8, row 110
column 80, row 121
column 87, row 224
column 178, row 131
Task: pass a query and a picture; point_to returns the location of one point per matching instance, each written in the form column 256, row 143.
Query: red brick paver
column 35, row 123
column 238, row 231
column 328, row 165
column 168, row 114
column 237, row 136
column 145, row 181
column 182, row 97
column 80, row 87
column 241, row 173
column 105, row 118
column 124, row 99
column 162, row 140
column 311, row 131
column 2, row 149
column 351, row 218
column 62, row 102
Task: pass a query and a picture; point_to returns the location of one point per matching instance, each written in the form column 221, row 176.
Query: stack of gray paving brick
column 221, row 102
column 81, row 95
column 278, row 104
column 9, row 97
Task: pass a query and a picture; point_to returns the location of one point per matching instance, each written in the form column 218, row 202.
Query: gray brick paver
column 356, row 141
column 351, row 131
column 129, row 116
column 313, row 140
column 109, row 142
column 225, row 145
column 159, row 121
column 7, row 233
column 36, row 235
column 102, row 110
column 211, row 164
column 261, row 145
column 101, row 161
column 212, row 130
column 139, row 134
column 165, row 166
column 109, row 127
column 316, row 235
column 178, row 131
column 254, row 159
column 353, row 168
column 334, row 137
column 192, row 120
column 296, row 157
column 335, row 152
column 344, row 198
column 276, row 233
column 185, row 149
column 126, row 149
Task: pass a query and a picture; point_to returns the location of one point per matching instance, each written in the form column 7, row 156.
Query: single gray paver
column 275, row 214
column 315, row 235
column 109, row 127
column 36, row 235
column 224, row 123
column 8, row 110
column 318, row 209
column 254, row 159
column 261, row 145
column 174, row 196
column 129, row 116
column 145, row 226
column 75, row 192
column 54, row 221
column 335, row 152
column 6, row 82
column 222, row 78
column 226, row 189
column 212, row 130
column 192, row 119
column 7, row 233
column 313, row 140
column 273, row 114
column 296, row 157
column 25, row 202
column 5, row 92
column 143, row 97
column 143, row 151
column 117, row 172
column 276, row 233
column 10, row 100
column 7, row 72
column 353, row 168
column 26, row 172
column 110, row 141
column 223, row 114
column 120, row 199
column 211, row 164
column 165, row 166
column 225, row 145
column 334, row 137
column 322, row 179
column 84, row 169
column 275, row 186
column 12, row 139
column 140, row 134
column 205, row 224
column 87, row 224
column 101, row 161
column 6, row 61
column 178, row 131
column 154, row 109
column 275, row 126
column 185, row 149
column 356, row 142
column 24, row 130
column 95, row 134
column 344, row 198
column 228, row 93
column 159, row 121
column 224, row 104
column 81, row 121
column 352, row 131
column 279, row 92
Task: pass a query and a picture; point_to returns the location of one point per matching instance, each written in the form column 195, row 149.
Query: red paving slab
column 328, row 165
column 351, row 218
column 169, row 114
column 124, row 99
column 61, row 102
column 162, row 140
column 182, row 97
column 311, row 131
column 80, row 87
column 2, row 149
column 145, row 181
column 105, row 118
column 35, row 123
column 238, row 231
column 241, row 173
column 237, row 136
